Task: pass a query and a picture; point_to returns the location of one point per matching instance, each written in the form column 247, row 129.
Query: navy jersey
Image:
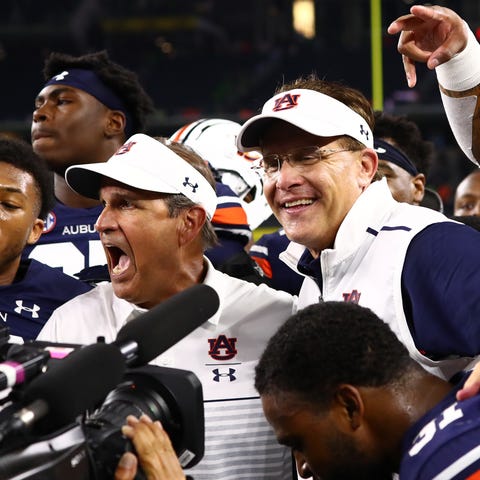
column 265, row 252
column 443, row 264
column 69, row 240
column 37, row 291
column 445, row 443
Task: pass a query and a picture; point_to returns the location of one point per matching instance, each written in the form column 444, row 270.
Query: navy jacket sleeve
column 441, row 290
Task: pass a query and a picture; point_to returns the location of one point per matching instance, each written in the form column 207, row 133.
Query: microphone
column 149, row 335
column 22, row 366
column 140, row 341
column 86, row 375
column 75, row 384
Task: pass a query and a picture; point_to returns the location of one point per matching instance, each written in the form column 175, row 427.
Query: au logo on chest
column 352, row 297
column 222, row 348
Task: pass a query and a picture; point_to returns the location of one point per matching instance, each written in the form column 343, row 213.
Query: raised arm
column 431, row 35
column 440, row 38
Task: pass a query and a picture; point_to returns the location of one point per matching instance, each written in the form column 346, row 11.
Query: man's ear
column 36, row 231
column 369, row 166
column 418, row 185
column 191, row 225
column 115, row 123
column 349, row 407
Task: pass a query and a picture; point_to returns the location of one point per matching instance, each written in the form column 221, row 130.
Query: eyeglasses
column 300, row 158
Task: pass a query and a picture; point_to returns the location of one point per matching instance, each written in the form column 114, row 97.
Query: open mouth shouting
column 118, row 260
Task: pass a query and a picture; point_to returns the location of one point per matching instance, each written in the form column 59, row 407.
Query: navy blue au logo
column 286, row 102
column 222, row 348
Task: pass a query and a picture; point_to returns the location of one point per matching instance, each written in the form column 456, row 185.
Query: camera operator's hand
column 154, row 450
column 432, row 35
column 127, row 467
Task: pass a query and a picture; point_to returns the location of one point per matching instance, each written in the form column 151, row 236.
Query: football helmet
column 214, row 139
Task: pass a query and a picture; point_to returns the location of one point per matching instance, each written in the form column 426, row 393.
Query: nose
column 287, row 176
column 106, row 221
column 40, row 113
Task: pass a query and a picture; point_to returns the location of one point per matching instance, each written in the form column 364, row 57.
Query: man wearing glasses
column 350, row 239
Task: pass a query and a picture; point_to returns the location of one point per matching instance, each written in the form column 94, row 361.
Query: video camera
column 63, row 418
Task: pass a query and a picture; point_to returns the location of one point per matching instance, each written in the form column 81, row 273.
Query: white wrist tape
column 462, row 72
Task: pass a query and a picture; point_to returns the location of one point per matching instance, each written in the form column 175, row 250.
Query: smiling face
column 142, row 243
column 323, row 444
column 68, row 126
column 311, row 205
column 19, row 225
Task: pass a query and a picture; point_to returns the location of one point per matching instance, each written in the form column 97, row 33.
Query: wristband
column 462, row 72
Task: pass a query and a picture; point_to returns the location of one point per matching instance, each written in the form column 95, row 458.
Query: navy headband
column 389, row 153
column 89, row 82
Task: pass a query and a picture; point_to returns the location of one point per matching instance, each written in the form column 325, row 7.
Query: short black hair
column 123, row 82
column 407, row 137
column 20, row 154
column 327, row 344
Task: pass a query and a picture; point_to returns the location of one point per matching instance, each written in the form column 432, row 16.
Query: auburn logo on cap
column 125, row 148
column 286, row 102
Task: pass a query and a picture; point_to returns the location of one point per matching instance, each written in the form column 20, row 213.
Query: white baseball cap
column 312, row 111
column 144, row 162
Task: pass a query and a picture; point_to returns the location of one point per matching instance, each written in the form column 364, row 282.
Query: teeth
column 117, row 269
column 304, row 201
column 123, row 263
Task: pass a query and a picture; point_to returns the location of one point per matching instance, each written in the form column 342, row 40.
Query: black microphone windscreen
column 77, row 382
column 167, row 323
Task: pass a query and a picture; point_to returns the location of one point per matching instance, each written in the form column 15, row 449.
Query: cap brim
column 310, row 111
column 254, row 129
column 87, row 179
column 144, row 163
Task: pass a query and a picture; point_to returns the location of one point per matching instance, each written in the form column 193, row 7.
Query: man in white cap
column 350, row 238
column 154, row 228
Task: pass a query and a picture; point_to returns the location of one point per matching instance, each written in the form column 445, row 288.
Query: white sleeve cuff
column 461, row 72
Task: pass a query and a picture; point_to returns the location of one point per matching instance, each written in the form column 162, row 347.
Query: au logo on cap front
column 125, row 148
column 287, row 101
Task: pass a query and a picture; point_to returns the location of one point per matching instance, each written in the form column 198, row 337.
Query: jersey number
column 449, row 415
column 67, row 256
